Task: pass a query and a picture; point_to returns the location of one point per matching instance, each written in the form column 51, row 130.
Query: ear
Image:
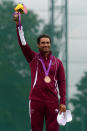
column 38, row 45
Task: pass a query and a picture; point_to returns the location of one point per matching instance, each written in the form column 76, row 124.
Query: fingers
column 16, row 17
column 62, row 108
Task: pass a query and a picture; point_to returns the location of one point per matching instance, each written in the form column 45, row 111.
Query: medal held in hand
column 47, row 79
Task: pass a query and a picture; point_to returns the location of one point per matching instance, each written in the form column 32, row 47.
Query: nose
column 45, row 43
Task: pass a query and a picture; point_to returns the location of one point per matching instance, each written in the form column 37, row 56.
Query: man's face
column 44, row 45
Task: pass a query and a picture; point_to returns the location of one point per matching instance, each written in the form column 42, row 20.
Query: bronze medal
column 47, row 79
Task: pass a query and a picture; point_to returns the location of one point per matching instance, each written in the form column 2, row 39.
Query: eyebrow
column 43, row 42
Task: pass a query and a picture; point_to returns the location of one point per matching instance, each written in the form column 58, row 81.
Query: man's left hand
column 62, row 108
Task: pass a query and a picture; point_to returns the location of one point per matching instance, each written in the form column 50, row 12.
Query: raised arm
column 27, row 51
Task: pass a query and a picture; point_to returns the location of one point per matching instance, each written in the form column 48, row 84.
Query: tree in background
column 79, row 102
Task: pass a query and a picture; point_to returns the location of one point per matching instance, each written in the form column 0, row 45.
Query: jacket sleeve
column 61, row 82
column 27, row 51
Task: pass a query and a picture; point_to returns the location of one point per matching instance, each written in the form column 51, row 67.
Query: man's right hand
column 62, row 108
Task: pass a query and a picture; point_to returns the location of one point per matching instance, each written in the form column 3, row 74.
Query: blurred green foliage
column 79, row 102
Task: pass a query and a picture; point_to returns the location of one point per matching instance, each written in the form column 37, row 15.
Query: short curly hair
column 43, row 36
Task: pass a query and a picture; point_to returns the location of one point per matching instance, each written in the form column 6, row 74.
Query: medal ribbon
column 19, row 14
column 46, row 71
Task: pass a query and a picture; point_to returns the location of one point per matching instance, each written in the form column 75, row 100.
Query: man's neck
column 46, row 54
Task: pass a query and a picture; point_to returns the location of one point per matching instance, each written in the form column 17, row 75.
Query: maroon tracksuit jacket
column 41, row 91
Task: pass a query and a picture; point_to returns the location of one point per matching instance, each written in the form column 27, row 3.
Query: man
column 46, row 73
